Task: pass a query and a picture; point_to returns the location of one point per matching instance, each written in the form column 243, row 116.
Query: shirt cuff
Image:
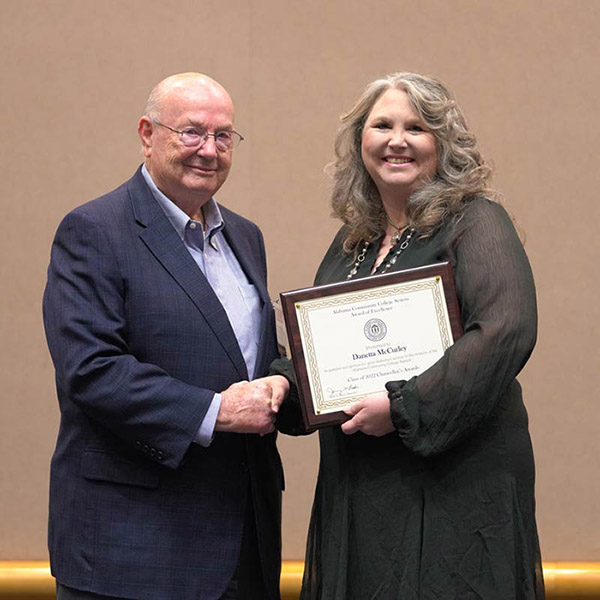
column 206, row 431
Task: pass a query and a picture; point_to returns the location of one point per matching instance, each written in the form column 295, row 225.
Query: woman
column 427, row 492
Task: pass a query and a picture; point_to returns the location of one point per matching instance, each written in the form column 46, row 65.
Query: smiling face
column 397, row 149
column 188, row 176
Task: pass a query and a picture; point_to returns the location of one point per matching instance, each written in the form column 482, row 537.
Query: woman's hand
column 280, row 387
column 371, row 415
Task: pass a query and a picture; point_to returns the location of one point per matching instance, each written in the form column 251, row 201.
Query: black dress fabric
column 443, row 508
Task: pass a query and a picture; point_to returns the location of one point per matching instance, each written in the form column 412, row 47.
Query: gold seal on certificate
column 349, row 339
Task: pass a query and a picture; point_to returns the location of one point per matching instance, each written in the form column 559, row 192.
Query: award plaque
column 349, row 339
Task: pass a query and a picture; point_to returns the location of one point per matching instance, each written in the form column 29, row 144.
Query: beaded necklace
column 395, row 253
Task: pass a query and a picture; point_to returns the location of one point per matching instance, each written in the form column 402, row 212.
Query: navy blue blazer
column 140, row 344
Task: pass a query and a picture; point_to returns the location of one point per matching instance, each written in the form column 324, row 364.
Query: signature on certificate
column 341, row 392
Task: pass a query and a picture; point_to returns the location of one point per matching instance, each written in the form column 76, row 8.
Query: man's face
column 188, row 176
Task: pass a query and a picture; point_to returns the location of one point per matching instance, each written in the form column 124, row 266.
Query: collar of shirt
column 213, row 220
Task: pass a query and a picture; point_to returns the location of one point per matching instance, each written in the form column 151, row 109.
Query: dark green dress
column 443, row 508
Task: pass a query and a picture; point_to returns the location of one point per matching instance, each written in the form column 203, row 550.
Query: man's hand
column 246, row 408
column 250, row 406
column 371, row 415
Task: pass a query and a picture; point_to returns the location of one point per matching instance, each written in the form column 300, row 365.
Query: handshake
column 251, row 406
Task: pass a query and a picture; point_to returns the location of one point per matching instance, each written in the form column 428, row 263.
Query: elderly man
column 166, row 482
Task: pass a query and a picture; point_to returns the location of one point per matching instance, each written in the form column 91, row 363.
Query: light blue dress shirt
column 218, row 263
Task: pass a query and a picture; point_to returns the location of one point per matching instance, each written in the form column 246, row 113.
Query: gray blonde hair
column 154, row 102
column 461, row 170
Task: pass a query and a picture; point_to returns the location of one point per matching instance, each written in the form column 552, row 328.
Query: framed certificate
column 349, row 339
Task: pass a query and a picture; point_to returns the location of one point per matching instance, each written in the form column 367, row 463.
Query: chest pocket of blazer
column 102, row 466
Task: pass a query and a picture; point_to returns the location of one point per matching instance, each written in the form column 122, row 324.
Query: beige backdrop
column 75, row 74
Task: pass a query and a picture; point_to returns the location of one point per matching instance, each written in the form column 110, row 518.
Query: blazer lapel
column 165, row 244
column 244, row 254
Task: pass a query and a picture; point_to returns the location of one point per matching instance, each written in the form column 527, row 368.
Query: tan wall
column 75, row 74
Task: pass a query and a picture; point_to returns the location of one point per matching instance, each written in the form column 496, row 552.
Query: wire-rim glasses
column 195, row 137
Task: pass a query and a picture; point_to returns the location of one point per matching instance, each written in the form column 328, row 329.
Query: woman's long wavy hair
column 461, row 170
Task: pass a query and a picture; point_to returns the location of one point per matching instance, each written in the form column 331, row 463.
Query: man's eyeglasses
column 194, row 137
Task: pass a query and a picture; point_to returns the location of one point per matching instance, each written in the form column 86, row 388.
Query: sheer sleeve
column 440, row 407
column 289, row 417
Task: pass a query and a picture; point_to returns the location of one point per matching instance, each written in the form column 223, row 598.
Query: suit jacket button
column 152, row 451
column 145, row 448
column 159, row 455
column 138, row 444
